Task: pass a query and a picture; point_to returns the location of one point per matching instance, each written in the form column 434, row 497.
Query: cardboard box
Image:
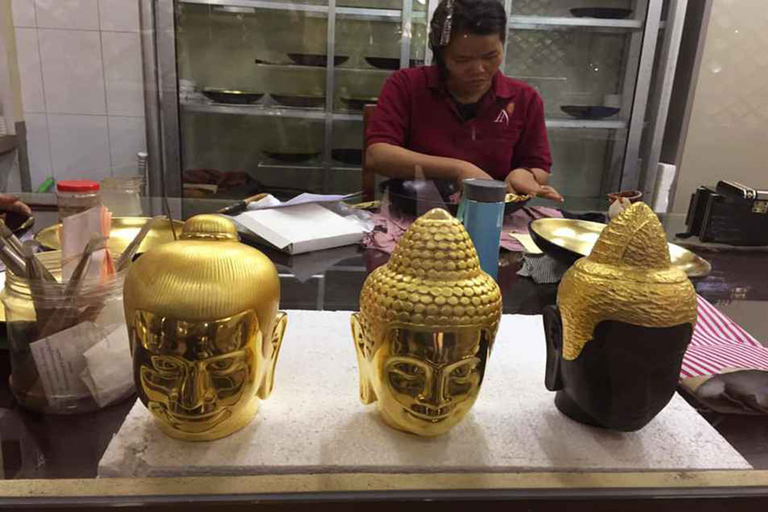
column 302, row 228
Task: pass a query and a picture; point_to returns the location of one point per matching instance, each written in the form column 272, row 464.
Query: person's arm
column 387, row 134
column 10, row 203
column 397, row 162
column 533, row 160
column 534, row 182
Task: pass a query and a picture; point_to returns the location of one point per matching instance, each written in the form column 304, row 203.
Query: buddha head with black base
column 623, row 320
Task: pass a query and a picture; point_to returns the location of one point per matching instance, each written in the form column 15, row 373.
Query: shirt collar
column 501, row 88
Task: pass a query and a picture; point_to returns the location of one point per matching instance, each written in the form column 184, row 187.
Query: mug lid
column 485, row 191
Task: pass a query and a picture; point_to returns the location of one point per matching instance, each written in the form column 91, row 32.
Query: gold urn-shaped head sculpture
column 623, row 321
column 205, row 330
column 425, row 329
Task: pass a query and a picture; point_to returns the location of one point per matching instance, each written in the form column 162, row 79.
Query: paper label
column 109, row 372
column 60, row 360
column 76, row 232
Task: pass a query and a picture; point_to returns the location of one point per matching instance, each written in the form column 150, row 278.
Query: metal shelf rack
column 319, row 114
column 545, row 22
column 644, row 104
column 355, row 13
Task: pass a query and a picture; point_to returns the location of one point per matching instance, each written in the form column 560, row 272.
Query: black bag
column 730, row 213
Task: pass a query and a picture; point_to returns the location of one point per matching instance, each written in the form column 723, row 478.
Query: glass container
column 122, row 195
column 69, row 347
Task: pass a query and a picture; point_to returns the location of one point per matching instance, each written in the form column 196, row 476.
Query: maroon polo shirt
column 416, row 112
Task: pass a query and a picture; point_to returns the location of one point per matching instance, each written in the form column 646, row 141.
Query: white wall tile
column 119, row 15
column 123, row 72
column 126, row 138
column 38, row 148
column 30, row 72
column 71, row 14
column 23, row 13
column 79, row 147
column 73, row 74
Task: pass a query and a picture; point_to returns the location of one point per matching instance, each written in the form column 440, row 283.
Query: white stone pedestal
column 315, row 423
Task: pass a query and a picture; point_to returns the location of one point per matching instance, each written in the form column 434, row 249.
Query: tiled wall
column 82, row 86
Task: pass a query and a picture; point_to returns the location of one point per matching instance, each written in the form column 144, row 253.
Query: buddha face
column 201, row 379
column 423, row 381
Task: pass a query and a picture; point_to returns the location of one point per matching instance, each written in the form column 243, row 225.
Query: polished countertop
column 43, row 447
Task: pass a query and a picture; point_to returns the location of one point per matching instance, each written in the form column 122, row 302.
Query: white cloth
column 314, row 422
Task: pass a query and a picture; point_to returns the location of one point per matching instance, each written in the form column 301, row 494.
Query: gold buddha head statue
column 427, row 322
column 205, row 330
column 623, row 320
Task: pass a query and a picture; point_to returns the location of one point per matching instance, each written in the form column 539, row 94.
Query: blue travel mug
column 482, row 212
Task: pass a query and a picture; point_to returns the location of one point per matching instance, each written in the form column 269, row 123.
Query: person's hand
column 466, row 170
column 523, row 182
column 11, row 204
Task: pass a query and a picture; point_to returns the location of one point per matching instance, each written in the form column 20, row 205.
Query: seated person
column 462, row 118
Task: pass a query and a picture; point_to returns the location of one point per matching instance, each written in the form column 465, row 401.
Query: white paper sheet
column 527, row 242
column 109, row 372
column 271, row 202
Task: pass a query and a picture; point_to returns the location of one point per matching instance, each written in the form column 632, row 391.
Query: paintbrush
column 70, row 314
column 13, row 261
column 12, row 240
column 133, row 247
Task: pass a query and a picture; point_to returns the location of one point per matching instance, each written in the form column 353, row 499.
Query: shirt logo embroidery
column 505, row 113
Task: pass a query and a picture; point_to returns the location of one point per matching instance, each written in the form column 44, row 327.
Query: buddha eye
column 164, row 365
column 407, row 369
column 222, row 365
column 464, row 371
column 461, row 371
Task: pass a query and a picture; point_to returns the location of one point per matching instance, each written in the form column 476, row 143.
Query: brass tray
column 570, row 239
column 124, row 230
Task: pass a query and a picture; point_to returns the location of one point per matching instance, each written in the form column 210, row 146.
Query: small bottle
column 75, row 196
column 482, row 213
column 143, row 167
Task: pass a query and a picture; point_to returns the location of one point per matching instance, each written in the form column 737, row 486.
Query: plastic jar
column 122, row 195
column 69, row 349
column 76, row 196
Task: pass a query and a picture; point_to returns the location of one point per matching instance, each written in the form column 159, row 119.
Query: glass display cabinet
column 248, row 100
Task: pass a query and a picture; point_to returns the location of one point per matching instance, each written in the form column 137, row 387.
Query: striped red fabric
column 718, row 343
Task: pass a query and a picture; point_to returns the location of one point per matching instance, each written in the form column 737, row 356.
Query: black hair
column 476, row 17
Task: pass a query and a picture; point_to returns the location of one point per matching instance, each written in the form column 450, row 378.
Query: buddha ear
column 268, row 382
column 367, row 395
column 553, row 330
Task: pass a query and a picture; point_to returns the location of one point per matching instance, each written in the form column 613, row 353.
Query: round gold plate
column 579, row 236
column 124, row 230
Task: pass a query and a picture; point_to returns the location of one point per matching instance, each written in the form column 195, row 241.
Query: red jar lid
column 77, row 186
